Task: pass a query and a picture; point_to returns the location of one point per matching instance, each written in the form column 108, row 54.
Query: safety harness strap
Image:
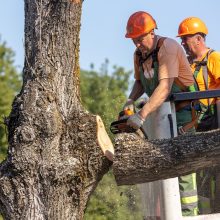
column 183, row 104
column 194, row 123
column 153, row 54
column 203, row 64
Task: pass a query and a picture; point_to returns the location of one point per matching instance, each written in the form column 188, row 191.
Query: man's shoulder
column 213, row 54
column 213, row 63
column 171, row 41
column 171, row 46
column 214, row 58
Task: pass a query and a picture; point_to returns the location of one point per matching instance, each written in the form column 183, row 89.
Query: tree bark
column 54, row 159
column 138, row 161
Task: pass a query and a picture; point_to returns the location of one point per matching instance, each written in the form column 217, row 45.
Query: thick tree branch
column 138, row 161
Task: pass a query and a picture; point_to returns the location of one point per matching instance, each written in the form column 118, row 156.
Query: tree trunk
column 138, row 161
column 54, row 159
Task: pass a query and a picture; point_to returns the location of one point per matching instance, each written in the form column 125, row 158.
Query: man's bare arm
column 159, row 95
column 137, row 90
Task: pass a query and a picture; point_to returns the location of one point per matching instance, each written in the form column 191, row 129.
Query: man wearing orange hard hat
column 205, row 64
column 161, row 67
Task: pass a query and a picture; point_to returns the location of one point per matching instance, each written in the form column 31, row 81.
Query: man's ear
column 152, row 33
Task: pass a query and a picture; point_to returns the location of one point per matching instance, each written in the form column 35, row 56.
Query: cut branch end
column 103, row 139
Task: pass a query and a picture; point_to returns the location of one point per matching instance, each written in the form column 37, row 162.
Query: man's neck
column 201, row 53
column 155, row 40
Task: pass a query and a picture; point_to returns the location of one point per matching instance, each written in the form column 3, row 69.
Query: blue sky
column 104, row 22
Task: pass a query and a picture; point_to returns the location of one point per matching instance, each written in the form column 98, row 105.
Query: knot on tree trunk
column 26, row 134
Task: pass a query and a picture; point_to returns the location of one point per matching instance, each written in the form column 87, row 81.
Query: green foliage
column 10, row 84
column 105, row 95
column 110, row 202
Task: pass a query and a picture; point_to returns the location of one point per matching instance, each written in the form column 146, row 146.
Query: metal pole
column 218, row 111
column 203, row 217
column 183, row 96
column 170, row 187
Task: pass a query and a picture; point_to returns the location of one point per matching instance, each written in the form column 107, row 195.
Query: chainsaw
column 121, row 125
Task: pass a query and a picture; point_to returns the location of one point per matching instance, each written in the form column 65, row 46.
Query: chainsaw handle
column 144, row 132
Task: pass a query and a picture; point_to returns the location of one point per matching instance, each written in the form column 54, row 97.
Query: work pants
column 187, row 183
column 208, row 179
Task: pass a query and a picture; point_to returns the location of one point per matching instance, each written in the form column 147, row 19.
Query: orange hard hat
column 192, row 25
column 140, row 23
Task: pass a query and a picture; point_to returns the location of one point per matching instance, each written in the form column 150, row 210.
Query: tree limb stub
column 138, row 161
column 103, row 139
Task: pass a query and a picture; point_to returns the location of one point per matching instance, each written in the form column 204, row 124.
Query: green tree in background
column 10, row 84
column 105, row 95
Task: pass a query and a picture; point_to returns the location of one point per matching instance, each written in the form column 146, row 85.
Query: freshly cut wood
column 103, row 139
column 138, row 161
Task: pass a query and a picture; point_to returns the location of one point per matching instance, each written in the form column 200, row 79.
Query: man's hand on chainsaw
column 135, row 121
column 129, row 105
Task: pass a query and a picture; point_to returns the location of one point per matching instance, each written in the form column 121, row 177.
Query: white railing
column 203, row 217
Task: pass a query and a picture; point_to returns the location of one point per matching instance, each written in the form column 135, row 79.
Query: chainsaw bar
column 121, row 126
